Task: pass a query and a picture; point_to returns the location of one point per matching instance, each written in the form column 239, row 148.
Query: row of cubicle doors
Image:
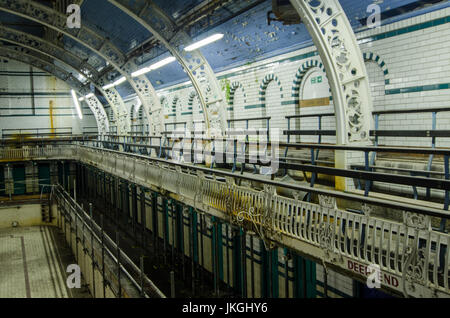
column 19, row 176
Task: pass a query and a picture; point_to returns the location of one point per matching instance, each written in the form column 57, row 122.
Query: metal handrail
column 338, row 194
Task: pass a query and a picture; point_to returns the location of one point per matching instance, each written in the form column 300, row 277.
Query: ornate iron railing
column 413, row 258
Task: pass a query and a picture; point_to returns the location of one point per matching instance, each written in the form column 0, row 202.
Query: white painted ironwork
column 66, row 57
column 121, row 115
column 97, row 108
column 30, row 45
column 103, row 47
column 150, row 16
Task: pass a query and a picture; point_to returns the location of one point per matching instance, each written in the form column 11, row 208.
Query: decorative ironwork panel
column 149, row 15
column 412, row 253
column 99, row 113
column 41, row 45
column 89, row 38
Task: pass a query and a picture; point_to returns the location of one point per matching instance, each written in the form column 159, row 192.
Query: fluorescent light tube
column 162, row 63
column 106, row 87
column 204, row 42
column 117, row 82
column 152, row 67
column 89, row 95
column 141, row 72
column 77, row 105
column 139, row 104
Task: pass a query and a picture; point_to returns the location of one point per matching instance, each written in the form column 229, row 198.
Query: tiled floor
column 31, row 265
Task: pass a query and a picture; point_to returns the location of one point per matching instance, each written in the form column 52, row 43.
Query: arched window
column 237, row 101
column 311, row 93
column 271, row 97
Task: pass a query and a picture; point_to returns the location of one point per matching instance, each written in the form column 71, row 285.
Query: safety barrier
column 401, row 249
column 106, row 257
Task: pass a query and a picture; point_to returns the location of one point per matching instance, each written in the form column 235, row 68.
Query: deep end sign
column 384, row 278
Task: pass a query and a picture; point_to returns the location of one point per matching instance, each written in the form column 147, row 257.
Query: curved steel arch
column 339, row 51
column 150, row 16
column 336, row 43
column 97, row 107
column 103, row 47
column 93, row 103
column 36, row 43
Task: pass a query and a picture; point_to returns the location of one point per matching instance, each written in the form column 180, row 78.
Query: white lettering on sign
column 384, row 278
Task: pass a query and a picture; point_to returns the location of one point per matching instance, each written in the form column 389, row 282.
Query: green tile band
column 299, row 76
column 417, row 89
column 370, row 56
column 234, row 87
column 385, row 35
